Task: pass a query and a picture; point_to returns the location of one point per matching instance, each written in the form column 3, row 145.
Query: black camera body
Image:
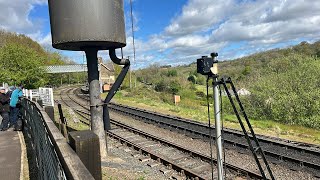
column 205, row 63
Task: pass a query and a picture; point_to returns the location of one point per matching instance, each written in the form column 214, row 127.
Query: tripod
column 253, row 141
column 208, row 66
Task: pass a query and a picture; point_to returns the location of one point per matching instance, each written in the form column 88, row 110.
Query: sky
column 175, row 32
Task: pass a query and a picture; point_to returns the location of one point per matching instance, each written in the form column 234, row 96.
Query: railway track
column 301, row 155
column 77, row 107
column 158, row 151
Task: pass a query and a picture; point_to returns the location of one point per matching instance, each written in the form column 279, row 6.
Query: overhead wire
column 133, row 44
column 132, row 31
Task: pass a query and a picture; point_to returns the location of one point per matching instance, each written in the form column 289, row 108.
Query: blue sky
column 179, row 31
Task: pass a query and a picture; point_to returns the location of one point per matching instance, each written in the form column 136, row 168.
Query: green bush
column 160, row 86
column 192, row 78
column 200, row 94
column 172, row 73
column 174, row 87
column 170, row 86
column 246, row 71
column 167, row 98
column 290, row 93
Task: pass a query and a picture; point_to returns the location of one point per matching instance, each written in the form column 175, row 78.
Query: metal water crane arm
column 115, row 86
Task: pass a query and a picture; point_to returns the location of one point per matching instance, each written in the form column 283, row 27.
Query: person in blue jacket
column 14, row 106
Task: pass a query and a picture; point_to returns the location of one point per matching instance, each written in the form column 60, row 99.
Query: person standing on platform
column 14, row 105
column 4, row 109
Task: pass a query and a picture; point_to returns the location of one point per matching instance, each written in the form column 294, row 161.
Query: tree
column 192, row 78
column 10, row 37
column 22, row 59
column 20, row 64
column 289, row 93
column 246, row 71
column 172, row 73
column 160, row 86
column 174, row 87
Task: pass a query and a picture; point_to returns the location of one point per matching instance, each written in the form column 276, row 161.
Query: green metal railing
column 47, row 160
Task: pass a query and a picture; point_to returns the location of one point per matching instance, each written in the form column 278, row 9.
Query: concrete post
column 95, row 101
column 30, row 91
column 39, row 101
column 86, row 145
column 51, row 97
column 50, row 111
column 27, row 95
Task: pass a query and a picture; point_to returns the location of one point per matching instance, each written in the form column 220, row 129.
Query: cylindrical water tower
column 78, row 24
column 90, row 25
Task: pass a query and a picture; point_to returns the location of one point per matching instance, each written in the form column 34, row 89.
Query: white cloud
column 271, row 22
column 14, row 15
column 199, row 15
column 46, row 41
column 288, row 10
column 201, row 27
column 43, row 39
column 204, row 26
column 188, row 41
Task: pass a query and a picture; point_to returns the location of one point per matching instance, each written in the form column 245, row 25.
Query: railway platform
column 11, row 155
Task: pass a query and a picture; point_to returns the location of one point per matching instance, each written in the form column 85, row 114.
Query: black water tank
column 77, row 24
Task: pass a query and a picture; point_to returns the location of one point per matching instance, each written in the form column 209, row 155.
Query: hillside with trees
column 22, row 61
column 284, row 84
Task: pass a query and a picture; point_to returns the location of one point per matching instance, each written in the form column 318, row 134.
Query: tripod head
column 208, row 65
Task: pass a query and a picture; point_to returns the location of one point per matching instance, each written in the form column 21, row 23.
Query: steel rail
column 202, row 156
column 187, row 126
column 306, row 153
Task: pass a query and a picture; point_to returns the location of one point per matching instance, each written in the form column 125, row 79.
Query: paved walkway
column 10, row 155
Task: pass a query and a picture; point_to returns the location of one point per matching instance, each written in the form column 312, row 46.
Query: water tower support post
column 95, row 101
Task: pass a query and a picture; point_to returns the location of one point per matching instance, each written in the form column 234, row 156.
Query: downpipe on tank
column 115, row 59
column 115, row 86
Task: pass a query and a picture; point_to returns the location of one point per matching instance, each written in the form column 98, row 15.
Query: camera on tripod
column 205, row 63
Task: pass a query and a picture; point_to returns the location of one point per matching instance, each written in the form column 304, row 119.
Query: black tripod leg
column 243, row 128
column 250, row 127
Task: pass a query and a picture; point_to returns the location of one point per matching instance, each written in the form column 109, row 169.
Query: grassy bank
column 69, row 117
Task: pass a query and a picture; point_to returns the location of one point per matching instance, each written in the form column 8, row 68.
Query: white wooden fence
column 44, row 94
